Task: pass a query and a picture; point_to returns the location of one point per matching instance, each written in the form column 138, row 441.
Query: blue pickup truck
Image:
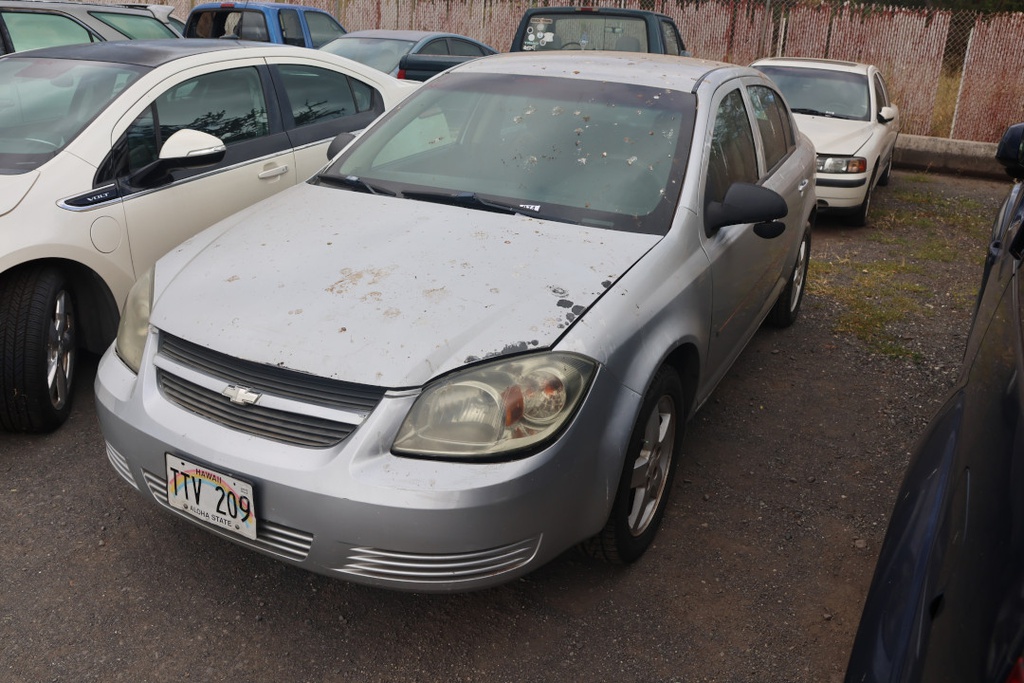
column 267, row 22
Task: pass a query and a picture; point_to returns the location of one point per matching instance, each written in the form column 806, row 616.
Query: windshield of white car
column 382, row 54
column 45, row 104
column 594, row 153
column 823, row 92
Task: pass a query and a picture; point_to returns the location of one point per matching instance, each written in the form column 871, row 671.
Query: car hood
column 834, row 136
column 13, row 189
column 384, row 291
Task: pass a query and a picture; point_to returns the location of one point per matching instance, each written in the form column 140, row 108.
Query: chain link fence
column 953, row 74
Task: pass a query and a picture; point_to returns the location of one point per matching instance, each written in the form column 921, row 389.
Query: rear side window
column 323, row 28
column 773, row 123
column 673, row 43
column 135, row 26
column 465, row 49
column 291, row 27
column 319, row 94
column 31, row 30
column 248, row 25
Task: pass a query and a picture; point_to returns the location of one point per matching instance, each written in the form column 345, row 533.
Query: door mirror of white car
column 1010, row 152
column 886, row 114
column 746, row 203
column 192, row 148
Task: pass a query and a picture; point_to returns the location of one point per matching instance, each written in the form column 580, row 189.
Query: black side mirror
column 1010, row 152
column 748, row 203
column 339, row 143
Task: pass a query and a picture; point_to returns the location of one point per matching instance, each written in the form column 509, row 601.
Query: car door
column 745, row 268
column 229, row 103
column 317, row 104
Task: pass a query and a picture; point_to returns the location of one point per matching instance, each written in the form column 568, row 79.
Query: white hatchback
column 112, row 153
column 844, row 108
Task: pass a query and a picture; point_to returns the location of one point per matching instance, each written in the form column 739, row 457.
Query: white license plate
column 213, row 497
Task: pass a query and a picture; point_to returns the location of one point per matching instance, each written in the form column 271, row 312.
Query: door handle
column 273, row 172
column 803, row 185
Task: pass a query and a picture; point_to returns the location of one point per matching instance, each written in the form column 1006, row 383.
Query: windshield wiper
column 469, row 199
column 809, row 112
column 356, row 183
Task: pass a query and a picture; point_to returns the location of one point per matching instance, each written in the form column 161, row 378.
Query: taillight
column 400, row 74
column 1017, row 672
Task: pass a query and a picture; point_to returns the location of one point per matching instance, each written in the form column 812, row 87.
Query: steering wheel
column 570, row 44
column 54, row 145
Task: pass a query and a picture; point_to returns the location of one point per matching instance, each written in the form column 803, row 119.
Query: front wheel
column 38, row 349
column 654, row 448
column 786, row 308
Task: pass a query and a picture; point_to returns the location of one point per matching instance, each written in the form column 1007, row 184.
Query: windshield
column 582, row 31
column 45, row 104
column 382, row 54
column 821, row 92
column 589, row 152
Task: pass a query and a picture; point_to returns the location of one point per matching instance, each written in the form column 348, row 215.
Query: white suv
column 31, row 24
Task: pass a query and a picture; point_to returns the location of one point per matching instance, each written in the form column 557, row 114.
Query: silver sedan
column 473, row 340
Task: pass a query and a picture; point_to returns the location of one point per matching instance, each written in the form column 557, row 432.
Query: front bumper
column 840, row 190
column 355, row 511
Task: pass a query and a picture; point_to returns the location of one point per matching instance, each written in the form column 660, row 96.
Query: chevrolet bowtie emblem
column 242, row 396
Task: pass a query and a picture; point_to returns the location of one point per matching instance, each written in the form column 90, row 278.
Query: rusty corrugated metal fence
column 952, row 74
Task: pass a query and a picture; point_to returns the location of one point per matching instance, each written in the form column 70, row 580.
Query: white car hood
column 834, row 136
column 13, row 189
column 384, row 291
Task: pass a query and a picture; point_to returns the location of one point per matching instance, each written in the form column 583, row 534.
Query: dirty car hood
column 834, row 136
column 385, row 291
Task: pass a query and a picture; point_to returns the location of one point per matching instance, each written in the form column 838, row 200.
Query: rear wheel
column 38, row 349
column 654, row 449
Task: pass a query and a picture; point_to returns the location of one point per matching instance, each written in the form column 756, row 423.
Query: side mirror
column 1010, row 152
column 747, row 203
column 339, row 143
column 886, row 114
column 186, row 148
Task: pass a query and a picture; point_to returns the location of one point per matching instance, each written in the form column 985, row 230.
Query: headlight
column 842, row 164
column 134, row 326
column 494, row 410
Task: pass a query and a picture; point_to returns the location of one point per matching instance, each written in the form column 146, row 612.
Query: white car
column 844, row 108
column 112, row 153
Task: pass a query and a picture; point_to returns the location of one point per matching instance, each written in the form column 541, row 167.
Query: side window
column 135, row 26
column 228, row 104
column 29, row 30
column 252, row 26
column 881, row 96
column 673, row 43
column 464, row 48
column 772, row 117
column 435, row 47
column 291, row 27
column 733, row 157
column 317, row 94
column 323, row 28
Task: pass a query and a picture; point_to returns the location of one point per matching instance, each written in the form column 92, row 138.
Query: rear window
column 228, row 23
column 586, row 32
column 31, row 30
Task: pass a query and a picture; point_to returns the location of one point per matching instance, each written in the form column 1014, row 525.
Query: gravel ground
column 758, row 573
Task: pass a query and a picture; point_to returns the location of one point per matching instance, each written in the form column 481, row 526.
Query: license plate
column 211, row 496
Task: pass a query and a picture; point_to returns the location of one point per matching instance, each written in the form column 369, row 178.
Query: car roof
column 655, row 70
column 396, row 34
column 67, row 6
column 256, row 6
column 814, row 63
column 152, row 53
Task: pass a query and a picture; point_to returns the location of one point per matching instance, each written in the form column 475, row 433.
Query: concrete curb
column 941, row 155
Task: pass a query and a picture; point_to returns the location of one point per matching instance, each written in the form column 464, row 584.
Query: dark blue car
column 947, row 599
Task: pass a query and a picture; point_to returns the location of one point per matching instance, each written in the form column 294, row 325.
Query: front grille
column 272, row 538
column 300, row 389
column 386, row 565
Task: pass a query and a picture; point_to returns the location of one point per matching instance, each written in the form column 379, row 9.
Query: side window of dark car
column 316, row 94
column 733, row 156
column 31, row 30
column 673, row 43
column 464, row 48
column 772, row 118
column 227, row 104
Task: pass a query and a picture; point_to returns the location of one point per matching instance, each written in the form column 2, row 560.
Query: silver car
column 473, row 340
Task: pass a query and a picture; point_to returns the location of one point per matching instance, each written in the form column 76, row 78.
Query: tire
column 859, row 216
column 787, row 306
column 655, row 447
column 883, row 179
column 38, row 349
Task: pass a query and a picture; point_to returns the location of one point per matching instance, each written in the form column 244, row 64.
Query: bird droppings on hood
column 518, row 347
column 606, row 284
column 558, row 291
column 351, row 278
column 578, row 310
column 233, row 278
column 564, row 303
column 295, row 311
